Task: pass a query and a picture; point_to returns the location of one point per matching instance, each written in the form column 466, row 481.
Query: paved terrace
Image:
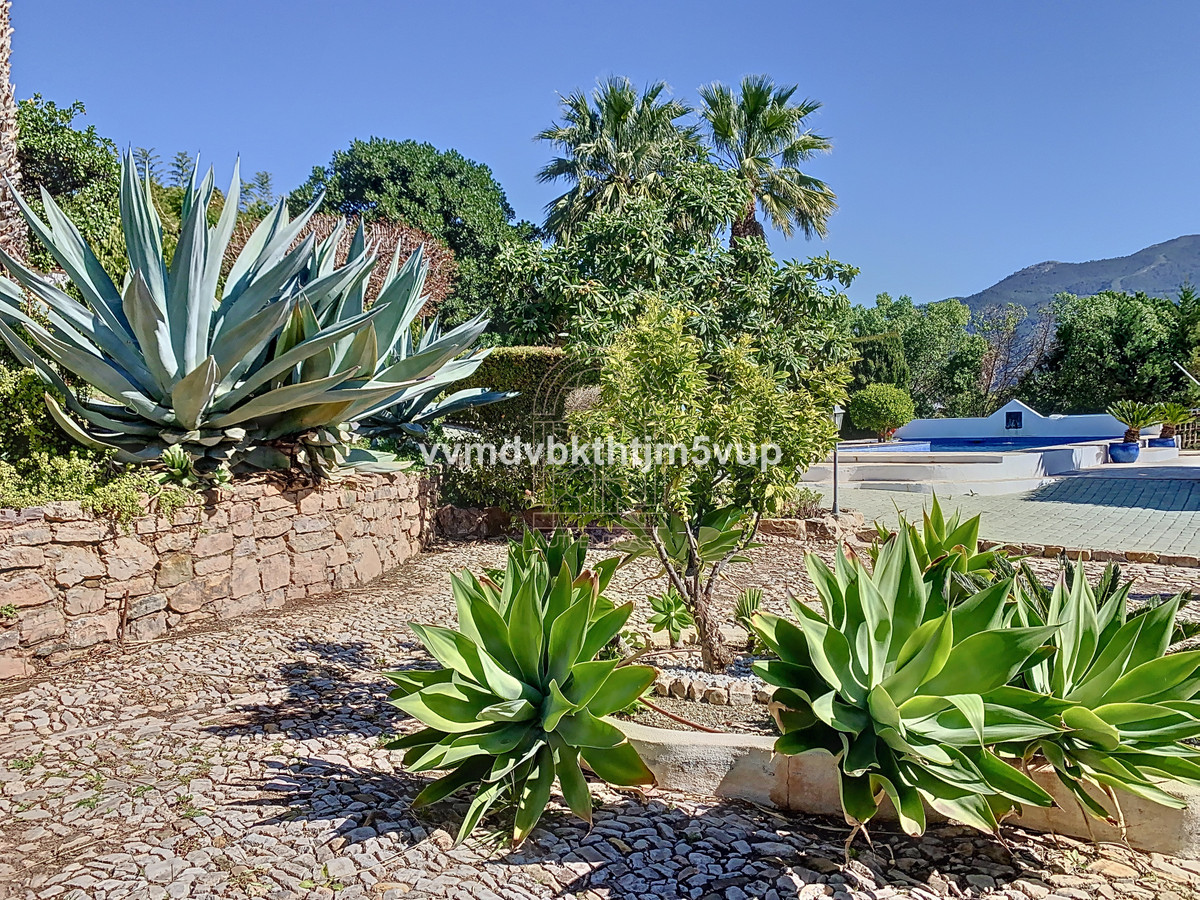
column 1148, row 508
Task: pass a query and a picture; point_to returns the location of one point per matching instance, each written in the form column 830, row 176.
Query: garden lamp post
column 837, row 415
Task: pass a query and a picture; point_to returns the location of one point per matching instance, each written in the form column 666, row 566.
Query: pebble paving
column 245, row 761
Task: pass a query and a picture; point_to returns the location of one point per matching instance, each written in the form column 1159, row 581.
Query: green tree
column 613, row 146
column 880, row 361
column 881, row 408
column 182, row 166
column 1108, row 347
column 945, row 360
column 762, row 136
column 78, row 168
column 149, row 164
column 259, row 195
column 440, row 192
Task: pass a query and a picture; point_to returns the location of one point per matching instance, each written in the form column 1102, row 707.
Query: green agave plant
column 1124, row 706
column 521, row 699
column 947, row 550
column 898, row 685
column 670, row 615
column 281, row 347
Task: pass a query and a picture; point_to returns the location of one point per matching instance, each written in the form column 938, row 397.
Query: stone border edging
column 745, row 767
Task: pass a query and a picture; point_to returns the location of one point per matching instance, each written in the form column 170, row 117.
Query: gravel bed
column 244, row 761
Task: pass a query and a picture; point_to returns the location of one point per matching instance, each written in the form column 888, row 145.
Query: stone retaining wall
column 77, row 581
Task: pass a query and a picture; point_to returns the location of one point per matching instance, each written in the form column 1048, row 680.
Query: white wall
column 1034, row 425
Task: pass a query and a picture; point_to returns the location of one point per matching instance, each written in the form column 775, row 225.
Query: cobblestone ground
column 244, row 761
column 1093, row 511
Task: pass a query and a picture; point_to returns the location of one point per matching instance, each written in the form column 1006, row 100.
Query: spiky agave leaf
column 520, row 700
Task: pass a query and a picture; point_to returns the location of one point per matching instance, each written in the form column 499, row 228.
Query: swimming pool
column 973, row 445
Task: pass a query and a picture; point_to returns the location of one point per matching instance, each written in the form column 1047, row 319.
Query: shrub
column 896, row 684
column 521, row 697
column 1135, row 416
column 880, row 361
column 881, row 408
column 1172, row 415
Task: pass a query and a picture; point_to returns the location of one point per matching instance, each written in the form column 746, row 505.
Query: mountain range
column 1157, row 270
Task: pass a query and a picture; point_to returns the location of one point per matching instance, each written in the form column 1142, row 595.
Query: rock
column 174, row 568
column 716, row 696
column 25, row 589
column 144, row 606
column 1113, row 870
column 74, row 564
column 127, row 558
column 147, row 628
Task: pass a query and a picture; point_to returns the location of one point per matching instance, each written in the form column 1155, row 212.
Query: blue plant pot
column 1123, row 453
column 1162, row 442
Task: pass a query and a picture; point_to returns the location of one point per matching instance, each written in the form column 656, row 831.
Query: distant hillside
column 1157, row 270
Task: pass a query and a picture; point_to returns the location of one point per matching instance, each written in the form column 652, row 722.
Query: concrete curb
column 745, row 767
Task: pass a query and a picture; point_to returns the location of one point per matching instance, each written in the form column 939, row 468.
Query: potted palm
column 1135, row 416
column 1172, row 415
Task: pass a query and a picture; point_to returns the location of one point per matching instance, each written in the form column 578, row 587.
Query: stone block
column 1191, row 561
column 31, row 535
column 145, row 525
column 338, row 555
column 173, row 540
column 306, row 543
column 21, row 557
column 308, row 568
column 346, row 528
column 244, row 579
column 25, row 589
column 134, row 587
column 308, row 524
column 271, row 502
column 174, row 568
column 148, row 628
column 211, row 564
column 41, row 624
column 128, row 558
column 198, row 592
column 212, row 544
column 74, row 564
column 243, row 529
column 366, row 560
column 231, row 607
column 13, row 665
column 311, row 502
column 88, row 630
column 81, row 600
column 1136, row 556
column 276, row 571
column 271, row 546
column 296, row 592
column 270, row 529
column 245, row 547
column 63, row 511
column 79, row 532
column 240, row 511
column 144, row 606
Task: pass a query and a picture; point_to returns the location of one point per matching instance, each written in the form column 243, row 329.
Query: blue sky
column 970, row 138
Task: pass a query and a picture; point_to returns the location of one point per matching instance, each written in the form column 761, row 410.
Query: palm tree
column 762, row 136
column 12, row 227
column 615, row 145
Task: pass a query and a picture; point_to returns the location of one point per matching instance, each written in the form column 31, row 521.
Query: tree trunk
column 713, row 649
column 746, row 225
column 1168, row 431
column 1133, row 436
column 13, row 231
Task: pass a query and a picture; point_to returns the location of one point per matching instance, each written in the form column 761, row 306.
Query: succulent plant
column 1124, row 709
column 670, row 615
column 521, row 699
column 897, row 684
column 280, row 347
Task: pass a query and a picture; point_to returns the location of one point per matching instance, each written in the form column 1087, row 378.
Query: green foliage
column 26, row 427
column 1109, row 347
column 1124, row 712
column 881, row 408
column 1172, row 415
column 747, row 606
column 78, row 168
column 905, row 690
column 615, row 146
column 521, row 696
column 1135, row 416
column 671, row 614
column 947, row 550
column 761, row 135
column 287, row 352
column 880, row 361
column 441, row 192
column 944, row 359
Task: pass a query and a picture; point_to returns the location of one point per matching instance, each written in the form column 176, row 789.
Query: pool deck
column 1152, row 507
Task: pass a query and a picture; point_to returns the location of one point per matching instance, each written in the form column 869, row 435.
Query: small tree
column 1135, row 416
column 881, row 408
column 711, row 443
column 1172, row 415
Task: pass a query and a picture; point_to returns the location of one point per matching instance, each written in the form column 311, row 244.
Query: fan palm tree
column 761, row 135
column 615, row 145
column 12, row 226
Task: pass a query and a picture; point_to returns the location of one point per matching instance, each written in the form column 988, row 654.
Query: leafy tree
column 880, row 361
column 1013, row 348
column 182, row 166
column 78, row 168
column 440, row 192
column 1109, row 347
column 148, row 163
column 659, row 382
column 945, row 360
column 881, row 408
column 761, row 135
column 614, row 146
column 259, row 195
column 668, row 247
